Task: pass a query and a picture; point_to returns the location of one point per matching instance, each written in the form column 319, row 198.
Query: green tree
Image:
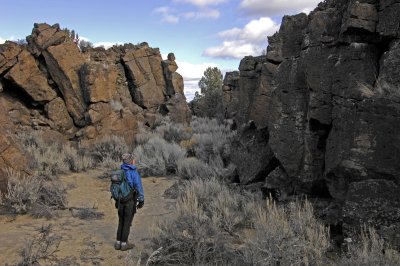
column 209, row 101
column 211, row 80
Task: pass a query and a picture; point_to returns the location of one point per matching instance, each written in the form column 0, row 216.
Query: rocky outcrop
column 51, row 85
column 328, row 92
column 72, row 90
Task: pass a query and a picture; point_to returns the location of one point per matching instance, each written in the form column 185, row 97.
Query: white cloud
column 168, row 15
column 256, row 30
column 209, row 13
column 201, row 3
column 233, row 49
column 2, row 40
column 249, row 40
column 277, row 7
column 171, row 16
column 190, row 71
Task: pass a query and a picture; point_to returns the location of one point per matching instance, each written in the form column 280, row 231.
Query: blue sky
column 201, row 33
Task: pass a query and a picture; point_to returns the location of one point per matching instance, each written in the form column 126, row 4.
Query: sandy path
column 90, row 242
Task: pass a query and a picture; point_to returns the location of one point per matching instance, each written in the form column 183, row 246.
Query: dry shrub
column 173, row 132
column 211, row 140
column 208, row 215
column 188, row 145
column 40, row 248
column 87, row 213
column 109, row 148
column 77, row 162
column 370, row 251
column 158, row 157
column 33, row 195
column 22, row 191
column 110, row 163
column 52, row 159
column 219, row 225
column 193, row 237
column 191, row 168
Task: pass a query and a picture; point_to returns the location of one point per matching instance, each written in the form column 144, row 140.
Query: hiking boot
column 127, row 246
column 117, row 245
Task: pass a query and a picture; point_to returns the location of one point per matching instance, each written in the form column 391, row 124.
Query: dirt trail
column 89, row 242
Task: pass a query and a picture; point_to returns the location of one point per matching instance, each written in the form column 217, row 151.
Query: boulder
column 26, row 75
column 64, row 62
column 376, row 203
column 98, row 111
column 144, row 71
column 99, row 82
column 252, row 155
column 9, row 52
column 389, row 20
column 44, row 36
column 174, row 80
column 361, row 16
column 57, row 112
column 177, row 109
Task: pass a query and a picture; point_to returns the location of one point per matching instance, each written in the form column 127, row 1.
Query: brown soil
column 90, row 242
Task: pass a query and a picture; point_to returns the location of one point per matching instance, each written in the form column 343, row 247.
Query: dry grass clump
column 218, row 225
column 286, row 236
column 370, row 251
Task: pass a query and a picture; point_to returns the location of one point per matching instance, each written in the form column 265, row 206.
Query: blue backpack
column 120, row 189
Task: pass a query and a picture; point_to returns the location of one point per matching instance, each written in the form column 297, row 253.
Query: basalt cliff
column 50, row 84
column 325, row 105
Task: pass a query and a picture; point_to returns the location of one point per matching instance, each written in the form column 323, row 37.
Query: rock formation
column 50, row 84
column 328, row 92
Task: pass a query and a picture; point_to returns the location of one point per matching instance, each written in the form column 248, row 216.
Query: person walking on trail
column 127, row 209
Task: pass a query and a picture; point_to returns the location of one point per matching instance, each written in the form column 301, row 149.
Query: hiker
column 127, row 209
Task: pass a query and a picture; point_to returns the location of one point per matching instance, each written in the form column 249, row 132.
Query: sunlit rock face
column 50, row 84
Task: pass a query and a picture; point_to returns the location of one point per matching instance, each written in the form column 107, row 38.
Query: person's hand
column 140, row 204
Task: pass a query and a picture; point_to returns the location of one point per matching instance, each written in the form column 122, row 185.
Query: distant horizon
column 201, row 33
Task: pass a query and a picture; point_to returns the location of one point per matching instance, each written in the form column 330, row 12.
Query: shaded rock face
column 328, row 93
column 49, row 84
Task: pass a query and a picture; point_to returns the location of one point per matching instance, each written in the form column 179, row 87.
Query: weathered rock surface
column 250, row 153
column 328, row 92
column 27, row 76
column 144, row 70
column 51, row 85
column 11, row 156
column 174, row 80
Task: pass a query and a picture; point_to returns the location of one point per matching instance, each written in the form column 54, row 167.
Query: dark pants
column 126, row 211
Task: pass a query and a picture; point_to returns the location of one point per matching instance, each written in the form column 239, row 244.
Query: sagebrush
column 219, row 225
